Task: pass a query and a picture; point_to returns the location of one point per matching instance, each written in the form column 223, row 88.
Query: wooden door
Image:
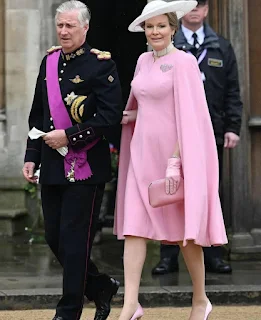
column 254, row 13
column 218, row 16
column 218, row 20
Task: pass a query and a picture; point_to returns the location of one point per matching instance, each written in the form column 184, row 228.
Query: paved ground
column 30, row 277
column 219, row 313
column 24, row 266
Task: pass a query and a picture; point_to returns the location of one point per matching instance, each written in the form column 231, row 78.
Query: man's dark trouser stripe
column 70, row 214
column 87, row 254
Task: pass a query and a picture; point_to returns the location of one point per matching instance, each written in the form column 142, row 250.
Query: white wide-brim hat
column 158, row 7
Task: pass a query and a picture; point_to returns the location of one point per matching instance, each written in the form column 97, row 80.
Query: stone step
column 177, row 296
column 12, row 221
column 13, row 199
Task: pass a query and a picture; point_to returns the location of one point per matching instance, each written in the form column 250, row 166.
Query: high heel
column 208, row 310
column 138, row 313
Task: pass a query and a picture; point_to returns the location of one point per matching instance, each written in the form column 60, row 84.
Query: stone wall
column 28, row 33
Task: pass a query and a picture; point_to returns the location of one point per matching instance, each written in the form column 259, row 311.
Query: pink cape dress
column 170, row 99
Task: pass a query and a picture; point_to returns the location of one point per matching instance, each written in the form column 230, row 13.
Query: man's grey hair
column 72, row 5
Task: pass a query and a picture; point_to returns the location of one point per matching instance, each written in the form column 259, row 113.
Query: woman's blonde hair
column 173, row 21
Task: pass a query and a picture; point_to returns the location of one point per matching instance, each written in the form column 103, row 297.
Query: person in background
column 218, row 66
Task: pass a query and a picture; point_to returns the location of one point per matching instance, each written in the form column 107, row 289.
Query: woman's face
column 158, row 32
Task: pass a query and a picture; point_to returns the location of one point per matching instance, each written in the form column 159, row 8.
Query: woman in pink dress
column 166, row 123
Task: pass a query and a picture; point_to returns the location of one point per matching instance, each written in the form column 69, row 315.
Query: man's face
column 197, row 15
column 71, row 34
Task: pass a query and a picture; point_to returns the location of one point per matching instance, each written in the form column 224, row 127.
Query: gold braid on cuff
column 77, row 108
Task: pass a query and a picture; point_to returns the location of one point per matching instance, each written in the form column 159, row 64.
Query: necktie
column 195, row 44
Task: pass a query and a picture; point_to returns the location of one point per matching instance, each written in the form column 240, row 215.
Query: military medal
column 70, row 174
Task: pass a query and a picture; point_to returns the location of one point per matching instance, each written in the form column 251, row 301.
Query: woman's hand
column 173, row 175
column 129, row 116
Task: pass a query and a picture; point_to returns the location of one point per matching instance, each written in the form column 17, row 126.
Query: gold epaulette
column 101, row 55
column 53, row 49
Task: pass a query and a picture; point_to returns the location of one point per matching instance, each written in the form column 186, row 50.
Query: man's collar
column 76, row 53
column 211, row 39
column 188, row 34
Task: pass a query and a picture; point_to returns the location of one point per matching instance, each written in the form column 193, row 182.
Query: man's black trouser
column 70, row 216
column 170, row 251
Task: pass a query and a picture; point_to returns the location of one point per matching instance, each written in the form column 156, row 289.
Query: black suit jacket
column 96, row 108
column 221, row 81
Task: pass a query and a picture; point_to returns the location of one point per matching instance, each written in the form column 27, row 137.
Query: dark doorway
column 109, row 32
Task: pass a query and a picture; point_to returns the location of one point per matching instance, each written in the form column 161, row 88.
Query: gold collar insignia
column 73, row 55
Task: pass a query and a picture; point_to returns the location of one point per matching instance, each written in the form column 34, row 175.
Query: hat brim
column 180, row 7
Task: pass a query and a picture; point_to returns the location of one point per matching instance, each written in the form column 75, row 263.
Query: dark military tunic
column 93, row 93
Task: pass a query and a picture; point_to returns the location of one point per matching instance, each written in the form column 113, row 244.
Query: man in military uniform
column 218, row 66
column 77, row 101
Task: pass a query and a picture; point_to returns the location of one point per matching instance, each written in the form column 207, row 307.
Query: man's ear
column 206, row 10
column 86, row 28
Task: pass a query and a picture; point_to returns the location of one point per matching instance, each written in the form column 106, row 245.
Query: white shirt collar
column 188, row 34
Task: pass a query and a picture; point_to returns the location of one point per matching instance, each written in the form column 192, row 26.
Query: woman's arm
column 129, row 116
column 176, row 153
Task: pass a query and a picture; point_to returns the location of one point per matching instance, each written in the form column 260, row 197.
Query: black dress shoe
column 217, row 265
column 103, row 298
column 57, row 318
column 166, row 265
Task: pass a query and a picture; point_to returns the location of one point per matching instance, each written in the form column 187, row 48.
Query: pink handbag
column 158, row 196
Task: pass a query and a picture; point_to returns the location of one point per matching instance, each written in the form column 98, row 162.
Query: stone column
column 22, row 65
column 2, row 74
column 29, row 32
column 244, row 242
column 2, row 60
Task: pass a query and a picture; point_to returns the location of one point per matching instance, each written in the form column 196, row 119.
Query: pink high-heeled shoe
column 138, row 313
column 208, row 310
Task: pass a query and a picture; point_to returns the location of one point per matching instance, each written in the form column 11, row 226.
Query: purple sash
column 76, row 165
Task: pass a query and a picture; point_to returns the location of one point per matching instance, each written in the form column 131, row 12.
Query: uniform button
column 62, row 71
column 64, row 64
column 88, row 132
column 80, row 136
column 51, row 119
column 74, row 139
column 51, row 127
column 94, row 115
column 60, row 79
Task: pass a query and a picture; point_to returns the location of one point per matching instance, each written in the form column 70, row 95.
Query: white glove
column 36, row 134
